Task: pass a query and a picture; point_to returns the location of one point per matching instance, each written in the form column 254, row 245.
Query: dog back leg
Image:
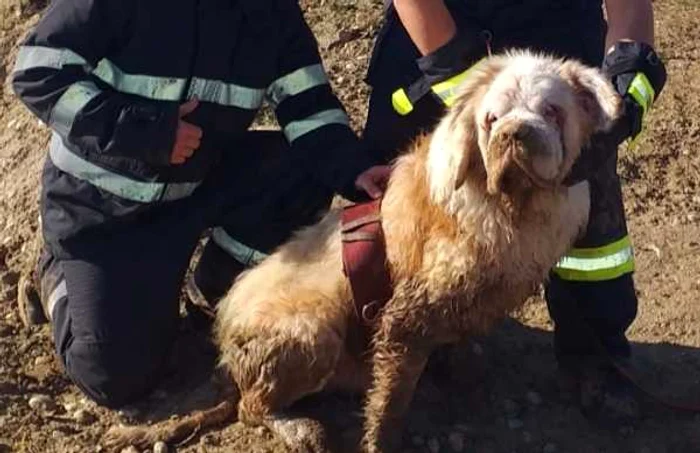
column 275, row 368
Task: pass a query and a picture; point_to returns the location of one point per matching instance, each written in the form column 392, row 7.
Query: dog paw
column 302, row 435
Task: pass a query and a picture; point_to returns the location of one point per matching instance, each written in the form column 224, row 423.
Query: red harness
column 364, row 259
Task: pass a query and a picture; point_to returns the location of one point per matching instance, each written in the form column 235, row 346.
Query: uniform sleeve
column 53, row 78
column 312, row 118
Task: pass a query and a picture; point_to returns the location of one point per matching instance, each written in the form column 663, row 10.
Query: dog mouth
column 513, row 154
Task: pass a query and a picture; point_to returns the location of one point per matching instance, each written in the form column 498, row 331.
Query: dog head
column 521, row 120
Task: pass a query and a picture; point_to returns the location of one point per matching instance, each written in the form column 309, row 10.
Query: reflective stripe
column 297, row 82
column 121, row 186
column 171, row 88
column 70, row 104
column 642, row 91
column 595, row 264
column 59, row 292
column 228, row 94
column 401, row 102
column 240, row 252
column 30, row 57
column 449, row 89
column 152, row 87
column 296, row 129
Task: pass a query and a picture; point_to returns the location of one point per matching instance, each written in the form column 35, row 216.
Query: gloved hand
column 639, row 76
column 444, row 69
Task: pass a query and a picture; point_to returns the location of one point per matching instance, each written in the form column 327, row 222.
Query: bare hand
column 374, row 180
column 188, row 136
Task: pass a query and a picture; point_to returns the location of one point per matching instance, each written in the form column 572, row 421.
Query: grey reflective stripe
column 152, row 87
column 297, row 82
column 30, row 57
column 296, row 129
column 59, row 292
column 240, row 252
column 70, row 104
column 121, row 186
column 227, row 94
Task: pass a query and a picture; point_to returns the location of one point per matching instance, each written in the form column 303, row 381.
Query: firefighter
column 150, row 105
column 422, row 51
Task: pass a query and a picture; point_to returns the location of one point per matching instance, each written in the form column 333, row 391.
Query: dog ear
column 595, row 94
column 470, row 156
column 465, row 125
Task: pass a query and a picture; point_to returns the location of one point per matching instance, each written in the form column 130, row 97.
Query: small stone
column 418, row 441
column 83, row 417
column 456, row 441
column 550, row 448
column 130, row 449
column 510, row 407
column 527, row 437
column 515, row 423
column 534, row 398
column 70, row 407
column 42, row 360
column 56, row 434
column 160, row 447
column 477, row 348
column 434, row 445
column 42, row 403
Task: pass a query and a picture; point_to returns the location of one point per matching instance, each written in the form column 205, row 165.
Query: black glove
column 447, row 62
column 639, row 76
column 454, row 57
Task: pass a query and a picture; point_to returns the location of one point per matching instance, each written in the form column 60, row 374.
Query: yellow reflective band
column 401, row 103
column 596, row 264
column 449, row 89
column 641, row 90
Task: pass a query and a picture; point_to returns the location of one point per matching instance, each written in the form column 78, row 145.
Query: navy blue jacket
column 108, row 77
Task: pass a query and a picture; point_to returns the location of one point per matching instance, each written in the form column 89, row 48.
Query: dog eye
column 554, row 114
column 489, row 120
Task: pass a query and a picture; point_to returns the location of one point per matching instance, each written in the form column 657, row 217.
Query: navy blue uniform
column 594, row 280
column 119, row 221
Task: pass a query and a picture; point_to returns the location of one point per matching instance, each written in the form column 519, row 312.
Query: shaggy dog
column 474, row 216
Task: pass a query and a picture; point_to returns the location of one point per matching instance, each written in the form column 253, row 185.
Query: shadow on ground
column 499, row 393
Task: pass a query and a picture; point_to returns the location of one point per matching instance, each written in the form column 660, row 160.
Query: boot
column 36, row 289
column 603, row 394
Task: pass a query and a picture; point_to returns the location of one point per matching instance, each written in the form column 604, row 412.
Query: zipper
column 190, row 72
column 195, row 51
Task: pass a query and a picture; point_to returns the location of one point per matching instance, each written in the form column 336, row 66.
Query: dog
column 475, row 215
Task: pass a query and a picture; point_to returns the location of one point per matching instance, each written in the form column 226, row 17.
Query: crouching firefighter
column 150, row 105
column 423, row 51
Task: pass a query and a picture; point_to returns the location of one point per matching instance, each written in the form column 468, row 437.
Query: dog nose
column 522, row 132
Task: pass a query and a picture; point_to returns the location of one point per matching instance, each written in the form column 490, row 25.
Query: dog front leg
column 398, row 362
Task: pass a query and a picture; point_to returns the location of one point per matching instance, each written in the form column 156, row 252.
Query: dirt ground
column 503, row 395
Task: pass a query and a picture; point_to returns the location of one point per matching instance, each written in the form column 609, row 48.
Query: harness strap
column 364, row 259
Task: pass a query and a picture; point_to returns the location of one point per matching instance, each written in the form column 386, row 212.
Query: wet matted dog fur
column 475, row 215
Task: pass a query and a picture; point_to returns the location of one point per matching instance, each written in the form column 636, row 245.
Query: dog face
column 526, row 118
